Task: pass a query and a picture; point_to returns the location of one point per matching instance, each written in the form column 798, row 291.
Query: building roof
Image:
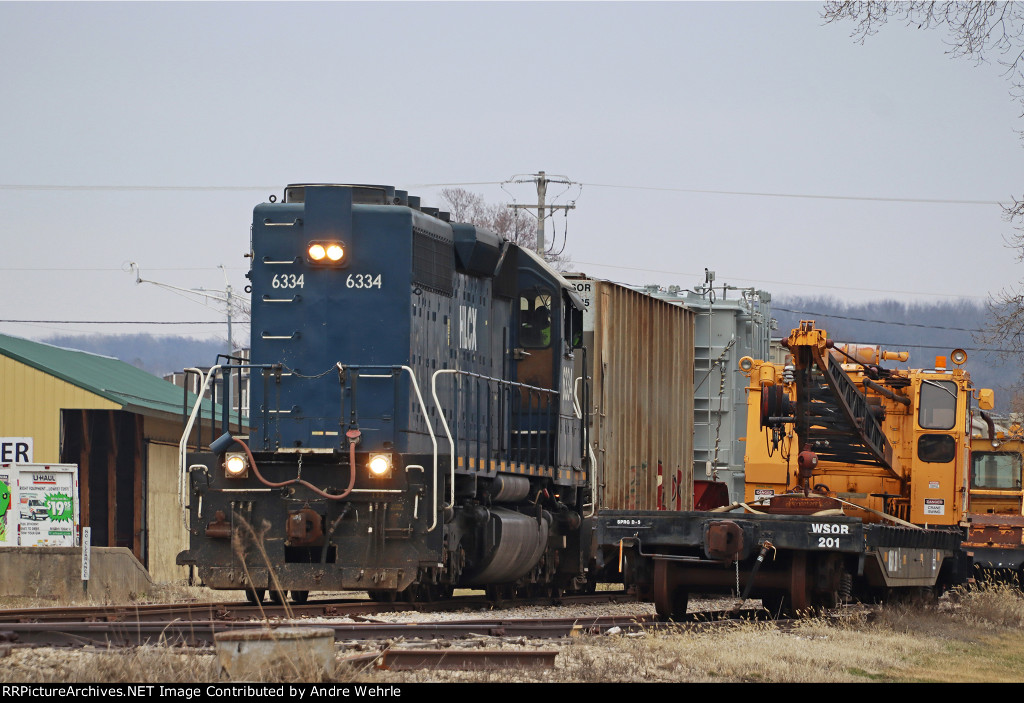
column 134, row 389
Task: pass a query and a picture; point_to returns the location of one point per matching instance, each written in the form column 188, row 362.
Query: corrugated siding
column 166, row 530
column 30, row 404
column 643, row 388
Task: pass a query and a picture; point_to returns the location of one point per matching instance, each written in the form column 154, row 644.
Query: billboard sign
column 43, row 508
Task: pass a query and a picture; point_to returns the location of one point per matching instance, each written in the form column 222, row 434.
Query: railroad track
column 201, row 633
column 337, row 607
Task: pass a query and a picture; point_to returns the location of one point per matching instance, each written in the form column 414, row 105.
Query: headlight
column 236, row 466
column 326, row 253
column 379, row 465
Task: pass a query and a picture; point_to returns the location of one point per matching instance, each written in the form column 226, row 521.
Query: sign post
column 86, row 557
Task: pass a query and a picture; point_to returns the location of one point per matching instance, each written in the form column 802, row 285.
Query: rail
column 391, row 371
column 183, row 443
column 594, row 482
column 524, row 443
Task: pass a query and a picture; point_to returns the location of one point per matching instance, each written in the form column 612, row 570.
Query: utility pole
column 227, row 290
column 541, row 179
column 227, row 299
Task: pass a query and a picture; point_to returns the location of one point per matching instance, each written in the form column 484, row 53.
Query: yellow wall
column 167, row 535
column 30, row 405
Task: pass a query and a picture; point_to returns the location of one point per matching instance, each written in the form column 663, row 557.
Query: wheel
column 493, row 594
column 299, row 597
column 382, row 596
column 499, row 593
column 255, row 595
column 670, row 596
column 831, row 584
column 277, row 597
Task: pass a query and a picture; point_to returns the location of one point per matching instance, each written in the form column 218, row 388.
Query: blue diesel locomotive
column 412, row 427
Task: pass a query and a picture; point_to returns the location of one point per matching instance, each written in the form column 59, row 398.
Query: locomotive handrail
column 577, row 408
column 444, row 421
column 183, row 444
column 448, row 434
column 423, row 409
column 433, row 440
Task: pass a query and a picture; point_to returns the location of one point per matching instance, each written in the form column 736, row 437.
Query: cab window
column 937, row 410
column 998, row 470
column 535, row 319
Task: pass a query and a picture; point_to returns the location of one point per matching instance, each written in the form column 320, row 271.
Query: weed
column 992, row 603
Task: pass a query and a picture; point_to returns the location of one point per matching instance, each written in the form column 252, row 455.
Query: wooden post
column 83, row 470
column 139, row 498
column 112, row 481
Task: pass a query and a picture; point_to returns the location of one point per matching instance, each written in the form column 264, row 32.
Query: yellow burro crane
column 835, row 430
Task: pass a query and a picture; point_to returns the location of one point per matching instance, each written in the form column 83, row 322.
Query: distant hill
column 926, row 330
column 157, row 355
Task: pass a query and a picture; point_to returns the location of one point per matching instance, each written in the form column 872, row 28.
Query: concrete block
column 116, row 576
column 306, row 653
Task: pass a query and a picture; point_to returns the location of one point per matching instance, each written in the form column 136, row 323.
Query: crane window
column 936, row 448
column 997, row 470
column 938, row 405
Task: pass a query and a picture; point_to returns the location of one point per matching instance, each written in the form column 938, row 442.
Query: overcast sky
column 189, row 114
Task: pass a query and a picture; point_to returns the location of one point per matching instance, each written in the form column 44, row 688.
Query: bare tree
column 980, row 31
column 976, row 30
column 507, row 223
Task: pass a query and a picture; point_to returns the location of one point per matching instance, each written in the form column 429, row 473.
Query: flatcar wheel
column 670, row 597
column 254, row 595
column 299, row 597
column 277, row 597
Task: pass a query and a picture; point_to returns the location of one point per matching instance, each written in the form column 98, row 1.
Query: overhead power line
column 871, row 198
column 114, row 322
column 876, row 322
column 704, row 191
column 104, row 270
column 14, row 186
column 819, row 286
column 758, row 194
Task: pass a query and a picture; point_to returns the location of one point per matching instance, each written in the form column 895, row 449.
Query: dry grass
column 976, row 635
column 152, row 665
column 977, row 638
column 980, row 633
column 995, row 604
